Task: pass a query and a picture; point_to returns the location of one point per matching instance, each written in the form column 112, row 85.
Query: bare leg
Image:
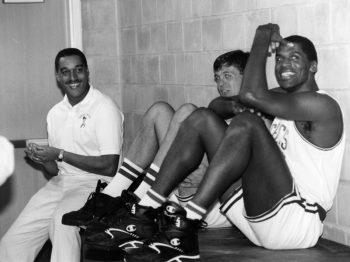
column 159, row 127
column 180, row 115
column 200, row 133
column 244, row 150
column 248, row 151
column 155, row 123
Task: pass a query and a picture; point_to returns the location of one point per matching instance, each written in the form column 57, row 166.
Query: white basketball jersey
column 315, row 170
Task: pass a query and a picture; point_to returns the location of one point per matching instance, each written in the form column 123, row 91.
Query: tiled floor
column 224, row 245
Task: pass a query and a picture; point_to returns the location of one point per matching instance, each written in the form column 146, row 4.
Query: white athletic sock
column 152, row 199
column 194, row 211
column 126, row 174
column 147, row 182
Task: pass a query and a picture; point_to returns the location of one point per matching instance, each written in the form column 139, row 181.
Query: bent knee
column 201, row 118
column 160, row 106
column 159, row 109
column 183, row 112
column 200, row 114
column 203, row 113
column 247, row 121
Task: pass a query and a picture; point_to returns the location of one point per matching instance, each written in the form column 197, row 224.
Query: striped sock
column 148, row 181
column 152, row 199
column 183, row 199
column 194, row 211
column 127, row 173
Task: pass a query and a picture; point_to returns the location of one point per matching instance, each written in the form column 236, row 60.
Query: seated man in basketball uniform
column 289, row 172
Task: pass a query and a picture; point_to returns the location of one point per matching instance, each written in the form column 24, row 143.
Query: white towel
column 7, row 159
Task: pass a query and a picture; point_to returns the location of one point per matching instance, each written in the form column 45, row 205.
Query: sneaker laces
column 121, row 208
column 90, row 203
column 91, row 200
column 166, row 222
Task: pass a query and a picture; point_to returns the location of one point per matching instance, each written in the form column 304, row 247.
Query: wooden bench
column 229, row 244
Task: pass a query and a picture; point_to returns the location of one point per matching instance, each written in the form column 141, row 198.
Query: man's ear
column 313, row 67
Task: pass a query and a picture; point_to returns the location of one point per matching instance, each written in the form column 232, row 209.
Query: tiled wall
column 100, row 44
column 148, row 50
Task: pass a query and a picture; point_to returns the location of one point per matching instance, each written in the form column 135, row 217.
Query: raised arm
column 296, row 99
column 254, row 82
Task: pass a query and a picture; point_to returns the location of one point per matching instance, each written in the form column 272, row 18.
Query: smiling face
column 293, row 70
column 73, row 78
column 228, row 80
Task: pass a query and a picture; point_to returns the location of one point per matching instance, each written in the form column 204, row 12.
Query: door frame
column 75, row 24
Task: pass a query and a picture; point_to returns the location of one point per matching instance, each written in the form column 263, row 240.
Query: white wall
column 30, row 37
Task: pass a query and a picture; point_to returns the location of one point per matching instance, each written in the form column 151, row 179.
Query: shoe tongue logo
column 131, row 228
column 178, row 222
column 175, row 242
column 170, row 209
column 133, row 209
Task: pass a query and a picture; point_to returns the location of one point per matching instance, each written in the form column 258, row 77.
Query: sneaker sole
column 181, row 258
column 133, row 244
column 103, row 247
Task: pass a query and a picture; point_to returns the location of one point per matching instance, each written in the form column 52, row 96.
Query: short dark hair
column 306, row 45
column 68, row 52
column 236, row 58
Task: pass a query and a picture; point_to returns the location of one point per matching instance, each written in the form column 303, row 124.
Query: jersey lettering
column 280, row 133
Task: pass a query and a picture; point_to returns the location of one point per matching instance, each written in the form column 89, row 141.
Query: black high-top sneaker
column 99, row 225
column 176, row 241
column 96, row 206
column 126, row 229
